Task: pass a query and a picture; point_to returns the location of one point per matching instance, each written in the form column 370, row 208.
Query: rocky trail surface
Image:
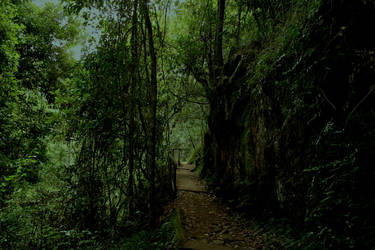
column 207, row 223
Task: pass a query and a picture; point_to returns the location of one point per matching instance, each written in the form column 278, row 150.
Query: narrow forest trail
column 206, row 222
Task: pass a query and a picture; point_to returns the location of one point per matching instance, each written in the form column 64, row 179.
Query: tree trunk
column 151, row 144
column 135, row 61
column 219, row 35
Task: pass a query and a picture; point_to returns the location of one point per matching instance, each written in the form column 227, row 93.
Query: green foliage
column 9, row 39
column 44, row 58
column 30, row 202
column 28, row 44
column 336, row 183
column 278, row 125
column 99, row 174
column 288, row 118
column 8, row 66
column 33, row 215
column 110, row 180
column 24, row 129
column 68, row 194
column 163, row 238
column 187, row 128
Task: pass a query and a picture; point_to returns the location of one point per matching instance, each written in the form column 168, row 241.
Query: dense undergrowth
column 286, row 88
column 82, row 165
column 291, row 133
column 38, row 216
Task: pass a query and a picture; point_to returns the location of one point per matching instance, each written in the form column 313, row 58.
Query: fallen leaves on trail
column 207, row 222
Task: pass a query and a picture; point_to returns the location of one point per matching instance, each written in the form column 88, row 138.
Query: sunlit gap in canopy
column 90, row 31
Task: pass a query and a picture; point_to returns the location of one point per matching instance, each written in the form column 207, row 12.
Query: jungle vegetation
column 273, row 100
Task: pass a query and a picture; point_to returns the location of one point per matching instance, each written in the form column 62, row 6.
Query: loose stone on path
column 207, row 223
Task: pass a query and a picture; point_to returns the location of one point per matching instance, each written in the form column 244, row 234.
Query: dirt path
column 187, row 180
column 207, row 223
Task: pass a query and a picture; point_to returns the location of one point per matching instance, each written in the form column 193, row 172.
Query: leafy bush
column 162, row 238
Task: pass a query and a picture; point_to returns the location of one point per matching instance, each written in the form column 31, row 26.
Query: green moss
column 176, row 220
